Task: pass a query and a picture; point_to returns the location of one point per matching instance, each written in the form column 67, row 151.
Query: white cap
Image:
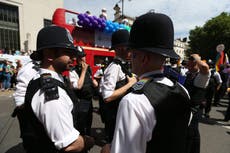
column 103, row 9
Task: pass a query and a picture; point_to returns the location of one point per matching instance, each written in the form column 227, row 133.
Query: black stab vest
column 35, row 138
column 172, row 110
column 113, row 105
column 87, row 90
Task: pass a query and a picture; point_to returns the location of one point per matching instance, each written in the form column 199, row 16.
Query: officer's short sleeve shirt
column 25, row 74
column 55, row 115
column 112, row 75
column 73, row 77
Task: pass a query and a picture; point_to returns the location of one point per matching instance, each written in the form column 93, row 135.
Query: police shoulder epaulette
column 36, row 66
column 49, row 87
column 139, row 86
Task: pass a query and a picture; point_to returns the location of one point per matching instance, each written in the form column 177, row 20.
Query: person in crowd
column 47, row 112
column 125, row 21
column 196, row 82
column 102, row 66
column 6, row 75
column 18, row 65
column 213, row 87
column 221, row 92
column 171, row 70
column 13, row 80
column 154, row 101
column 84, row 85
column 103, row 14
column 184, row 68
column 97, row 76
column 1, row 74
column 88, row 13
column 116, row 81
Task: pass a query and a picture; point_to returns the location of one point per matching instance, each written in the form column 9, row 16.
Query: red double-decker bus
column 95, row 42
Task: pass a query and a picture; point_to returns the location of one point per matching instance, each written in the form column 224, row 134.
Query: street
column 215, row 134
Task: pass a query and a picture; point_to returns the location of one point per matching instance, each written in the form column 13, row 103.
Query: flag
column 220, row 60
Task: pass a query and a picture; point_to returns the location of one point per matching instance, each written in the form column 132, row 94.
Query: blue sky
column 186, row 14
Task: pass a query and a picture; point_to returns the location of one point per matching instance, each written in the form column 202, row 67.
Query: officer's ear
column 48, row 54
column 146, row 59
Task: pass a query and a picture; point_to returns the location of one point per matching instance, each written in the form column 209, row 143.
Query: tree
column 203, row 40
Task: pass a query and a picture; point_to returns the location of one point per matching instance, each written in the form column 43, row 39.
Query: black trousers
column 227, row 114
column 219, row 94
column 209, row 95
column 85, row 116
column 110, row 120
column 193, row 139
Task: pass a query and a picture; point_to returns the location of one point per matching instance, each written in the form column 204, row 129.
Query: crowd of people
column 8, row 74
column 14, row 52
column 137, row 105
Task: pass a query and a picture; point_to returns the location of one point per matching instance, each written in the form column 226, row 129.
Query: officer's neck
column 149, row 74
column 51, row 68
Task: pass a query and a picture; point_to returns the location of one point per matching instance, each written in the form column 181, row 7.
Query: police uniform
column 135, row 111
column 55, row 114
column 112, row 79
column 25, row 74
column 154, row 116
column 85, row 95
column 113, row 74
column 49, row 108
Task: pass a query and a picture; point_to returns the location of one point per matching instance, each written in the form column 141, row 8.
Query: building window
column 47, row 22
column 9, row 27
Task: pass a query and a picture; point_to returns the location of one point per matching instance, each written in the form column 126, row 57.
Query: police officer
column 154, row 117
column 25, row 74
column 84, row 86
column 48, row 120
column 115, row 81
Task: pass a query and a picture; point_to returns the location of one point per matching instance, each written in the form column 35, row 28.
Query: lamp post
column 122, row 7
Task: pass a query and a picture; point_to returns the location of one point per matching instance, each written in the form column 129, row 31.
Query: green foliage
column 203, row 40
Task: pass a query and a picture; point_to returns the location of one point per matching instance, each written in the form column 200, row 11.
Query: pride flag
column 221, row 58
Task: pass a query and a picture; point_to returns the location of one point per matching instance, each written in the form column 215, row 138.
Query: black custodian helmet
column 80, row 51
column 52, row 37
column 119, row 38
column 153, row 32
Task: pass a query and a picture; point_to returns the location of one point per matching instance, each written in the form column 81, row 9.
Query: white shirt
column 55, row 115
column 217, row 77
column 25, row 74
column 73, row 77
column 135, row 122
column 112, row 75
column 202, row 80
column 98, row 73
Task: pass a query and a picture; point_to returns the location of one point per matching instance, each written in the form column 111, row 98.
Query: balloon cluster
column 91, row 22
column 114, row 26
column 95, row 23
